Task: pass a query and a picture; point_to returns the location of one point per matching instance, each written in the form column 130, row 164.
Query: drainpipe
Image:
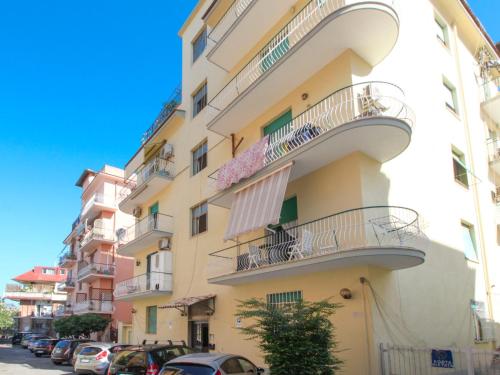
column 475, row 192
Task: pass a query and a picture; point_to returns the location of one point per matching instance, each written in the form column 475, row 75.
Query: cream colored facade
column 378, row 71
column 93, row 265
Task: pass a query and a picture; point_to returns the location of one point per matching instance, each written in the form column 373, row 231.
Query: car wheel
column 38, row 355
column 56, row 363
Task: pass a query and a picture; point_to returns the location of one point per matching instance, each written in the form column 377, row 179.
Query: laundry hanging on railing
column 258, row 204
column 243, row 166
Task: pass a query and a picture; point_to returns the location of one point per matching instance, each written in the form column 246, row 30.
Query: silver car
column 94, row 358
column 210, row 364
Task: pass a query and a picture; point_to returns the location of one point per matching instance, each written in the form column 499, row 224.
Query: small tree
column 80, row 325
column 296, row 338
column 7, row 314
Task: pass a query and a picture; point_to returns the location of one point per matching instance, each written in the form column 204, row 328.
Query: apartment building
column 40, row 299
column 93, row 265
column 322, row 149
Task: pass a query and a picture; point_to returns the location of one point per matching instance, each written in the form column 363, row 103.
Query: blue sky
column 79, row 83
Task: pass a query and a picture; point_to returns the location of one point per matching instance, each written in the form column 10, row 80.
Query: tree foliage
column 296, row 338
column 80, row 325
column 7, row 314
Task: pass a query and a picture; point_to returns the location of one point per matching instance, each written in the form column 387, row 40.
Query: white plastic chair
column 253, row 256
column 304, row 247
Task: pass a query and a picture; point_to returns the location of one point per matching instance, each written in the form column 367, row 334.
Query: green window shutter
column 151, row 319
column 281, row 121
column 289, row 211
column 154, row 209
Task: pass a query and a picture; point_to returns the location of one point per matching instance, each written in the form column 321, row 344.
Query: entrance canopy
column 183, row 304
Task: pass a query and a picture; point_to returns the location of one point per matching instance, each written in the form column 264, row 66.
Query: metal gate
column 406, row 360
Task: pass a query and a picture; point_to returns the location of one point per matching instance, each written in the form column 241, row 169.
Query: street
column 15, row 360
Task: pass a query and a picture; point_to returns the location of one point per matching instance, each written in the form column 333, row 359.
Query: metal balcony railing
column 493, row 145
column 75, row 223
column 67, row 257
column 228, row 19
column 149, row 224
column 96, row 269
column 98, row 198
column 168, row 109
column 148, row 282
column 361, row 228
column 490, row 89
column 98, row 300
column 97, row 233
column 279, row 46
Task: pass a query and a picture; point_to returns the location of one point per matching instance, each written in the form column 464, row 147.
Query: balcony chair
column 254, row 256
column 369, row 103
column 304, row 248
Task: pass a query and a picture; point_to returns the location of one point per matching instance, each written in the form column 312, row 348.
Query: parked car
column 210, row 364
column 34, row 339
column 27, row 338
column 18, row 337
column 95, row 357
column 44, row 346
column 145, row 359
column 63, row 351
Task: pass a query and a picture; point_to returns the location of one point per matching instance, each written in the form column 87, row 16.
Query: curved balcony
column 301, row 49
column 96, row 204
column 385, row 237
column 96, row 236
column 149, row 180
column 146, row 232
column 370, row 117
column 147, row 285
column 235, row 33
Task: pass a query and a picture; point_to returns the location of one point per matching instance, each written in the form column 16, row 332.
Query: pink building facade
column 93, row 265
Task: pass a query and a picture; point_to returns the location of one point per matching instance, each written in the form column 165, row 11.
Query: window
column 200, row 99
column 469, row 239
column 483, row 327
column 80, row 285
column 441, row 30
column 199, row 219
column 460, row 168
column 278, row 123
column 232, row 366
column 200, row 157
column 151, row 319
column 62, row 271
column 199, row 44
column 48, row 271
column 280, row 299
column 450, row 96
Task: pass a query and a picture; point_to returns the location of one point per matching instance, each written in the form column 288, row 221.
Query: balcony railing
column 96, row 269
column 490, row 89
column 28, row 289
column 279, row 46
column 156, row 166
column 228, row 19
column 97, row 233
column 368, row 228
column 493, row 145
column 168, row 109
column 67, row 257
column 99, row 300
column 75, row 223
column 151, row 223
column 98, row 198
column 148, row 282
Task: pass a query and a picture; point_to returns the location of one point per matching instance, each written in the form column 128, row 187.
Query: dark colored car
column 44, row 346
column 63, row 351
column 210, row 364
column 18, row 337
column 145, row 359
column 34, row 339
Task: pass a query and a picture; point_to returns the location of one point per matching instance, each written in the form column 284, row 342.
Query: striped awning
column 258, row 204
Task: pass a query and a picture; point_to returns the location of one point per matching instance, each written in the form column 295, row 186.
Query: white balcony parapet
column 228, row 19
column 98, row 233
column 383, row 236
column 93, row 306
column 151, row 223
column 490, row 89
column 105, row 270
column 148, row 283
column 155, row 167
column 279, row 46
column 98, row 198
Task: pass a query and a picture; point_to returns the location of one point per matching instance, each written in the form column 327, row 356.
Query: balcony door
column 152, row 269
column 153, row 216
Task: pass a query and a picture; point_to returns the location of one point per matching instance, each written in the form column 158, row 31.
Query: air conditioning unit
column 120, row 233
column 137, row 212
column 167, row 151
column 164, row 244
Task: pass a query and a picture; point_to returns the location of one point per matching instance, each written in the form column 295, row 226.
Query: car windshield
column 44, row 342
column 63, row 344
column 189, row 369
column 90, row 350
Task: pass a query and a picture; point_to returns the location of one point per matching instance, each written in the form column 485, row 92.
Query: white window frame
column 469, row 244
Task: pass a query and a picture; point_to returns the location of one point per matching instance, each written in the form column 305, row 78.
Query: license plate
column 84, row 360
column 39, row 352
